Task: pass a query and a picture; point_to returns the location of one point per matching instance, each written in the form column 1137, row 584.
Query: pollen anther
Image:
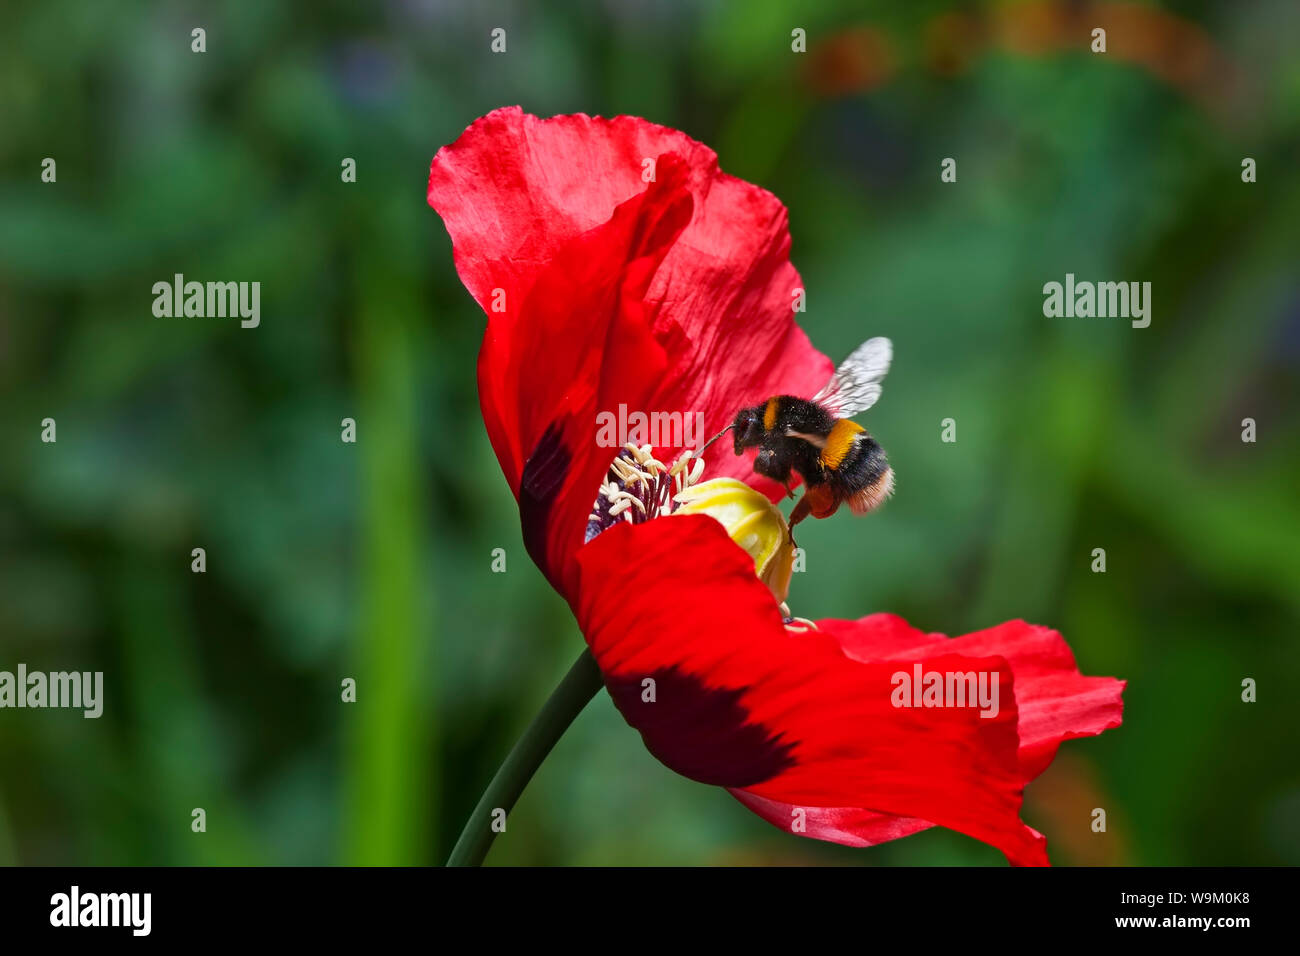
column 638, row 487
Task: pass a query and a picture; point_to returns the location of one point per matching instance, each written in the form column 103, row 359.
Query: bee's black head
column 748, row 428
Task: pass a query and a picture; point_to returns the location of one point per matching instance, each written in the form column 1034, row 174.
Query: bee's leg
column 789, row 489
column 801, row 511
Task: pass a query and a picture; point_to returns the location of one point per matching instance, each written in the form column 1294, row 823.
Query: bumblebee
column 839, row 462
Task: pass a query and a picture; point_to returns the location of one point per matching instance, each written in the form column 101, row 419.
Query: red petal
column 1054, row 700
column 704, row 320
column 850, row 826
column 583, row 343
column 745, row 704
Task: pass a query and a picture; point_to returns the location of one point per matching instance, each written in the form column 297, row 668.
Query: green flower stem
column 561, row 708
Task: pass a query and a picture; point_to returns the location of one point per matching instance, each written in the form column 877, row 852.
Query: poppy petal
column 850, row 826
column 738, row 701
column 583, row 343
column 1054, row 700
column 516, row 192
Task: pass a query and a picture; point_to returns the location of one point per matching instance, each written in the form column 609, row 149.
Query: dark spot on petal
column 539, row 486
column 699, row 731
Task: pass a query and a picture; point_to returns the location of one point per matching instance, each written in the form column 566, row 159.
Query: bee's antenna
column 712, row 440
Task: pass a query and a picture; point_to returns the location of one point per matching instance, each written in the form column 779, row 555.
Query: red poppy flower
column 618, row 266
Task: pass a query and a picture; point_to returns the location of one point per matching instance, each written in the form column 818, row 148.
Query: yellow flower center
column 752, row 521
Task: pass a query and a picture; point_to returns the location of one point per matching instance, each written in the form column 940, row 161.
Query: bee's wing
column 855, row 386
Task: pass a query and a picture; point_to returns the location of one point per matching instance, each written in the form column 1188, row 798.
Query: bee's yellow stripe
column 839, row 441
column 769, row 414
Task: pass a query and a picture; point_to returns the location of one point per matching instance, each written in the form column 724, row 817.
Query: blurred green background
column 328, row 560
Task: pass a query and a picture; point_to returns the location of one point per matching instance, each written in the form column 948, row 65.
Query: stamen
column 697, row 470
column 639, row 487
column 800, row 625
